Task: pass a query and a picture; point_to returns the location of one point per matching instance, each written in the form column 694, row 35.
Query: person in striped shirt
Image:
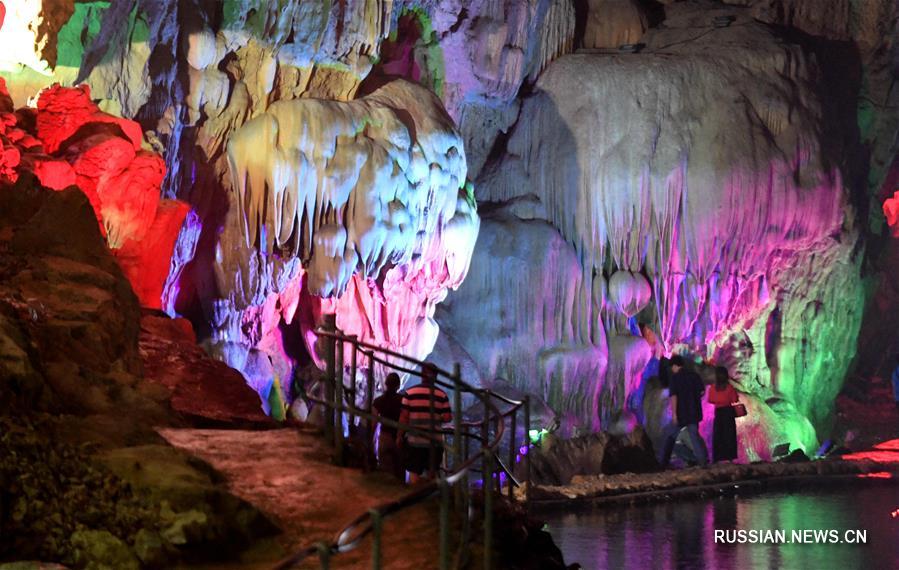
column 425, row 407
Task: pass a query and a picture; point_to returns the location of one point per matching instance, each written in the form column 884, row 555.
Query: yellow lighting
column 18, row 37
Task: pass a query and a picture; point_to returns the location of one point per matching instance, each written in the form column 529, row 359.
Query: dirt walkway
column 286, row 474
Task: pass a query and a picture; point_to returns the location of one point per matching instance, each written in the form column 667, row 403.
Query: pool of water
column 683, row 534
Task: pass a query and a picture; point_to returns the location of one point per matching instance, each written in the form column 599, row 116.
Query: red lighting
column 73, row 143
column 883, row 452
column 876, row 475
column 891, row 212
column 891, row 445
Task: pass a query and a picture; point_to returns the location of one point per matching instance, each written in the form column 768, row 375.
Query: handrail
column 370, row 354
column 374, row 359
column 351, row 535
column 383, row 362
column 373, row 347
column 419, row 494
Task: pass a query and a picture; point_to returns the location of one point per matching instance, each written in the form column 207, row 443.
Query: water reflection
column 681, row 535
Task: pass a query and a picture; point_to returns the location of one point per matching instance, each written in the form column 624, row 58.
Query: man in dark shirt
column 389, row 405
column 686, row 390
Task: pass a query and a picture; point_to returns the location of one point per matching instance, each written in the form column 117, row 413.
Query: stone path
column 286, row 474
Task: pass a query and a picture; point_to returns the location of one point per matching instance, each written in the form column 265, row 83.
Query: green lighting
column 536, row 435
column 276, row 401
column 434, row 72
column 469, row 195
column 79, row 31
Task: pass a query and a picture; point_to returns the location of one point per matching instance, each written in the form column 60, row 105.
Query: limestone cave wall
column 501, row 183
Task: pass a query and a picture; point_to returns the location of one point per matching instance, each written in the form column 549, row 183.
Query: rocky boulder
column 85, row 480
column 199, row 388
column 68, row 317
column 557, row 461
column 67, row 141
column 613, row 23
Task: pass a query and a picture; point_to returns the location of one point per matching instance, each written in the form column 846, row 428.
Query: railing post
column 352, row 431
column 466, row 481
column 432, row 425
column 512, row 421
column 444, row 525
column 457, row 434
column 369, row 399
column 487, row 482
column 329, row 325
column 338, row 404
column 324, row 555
column 527, row 455
column 457, row 416
column 353, row 371
column 376, row 525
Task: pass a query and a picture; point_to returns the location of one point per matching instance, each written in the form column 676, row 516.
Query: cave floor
column 880, row 463
column 867, row 423
column 287, row 474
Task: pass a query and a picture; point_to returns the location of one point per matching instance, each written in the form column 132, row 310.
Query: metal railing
column 453, row 487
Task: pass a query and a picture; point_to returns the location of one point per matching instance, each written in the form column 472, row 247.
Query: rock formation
column 363, row 203
column 714, row 193
column 698, row 171
column 67, row 141
column 556, row 462
column 382, row 259
column 84, row 479
column 614, row 23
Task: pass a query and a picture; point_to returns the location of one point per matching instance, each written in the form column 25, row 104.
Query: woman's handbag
column 739, row 410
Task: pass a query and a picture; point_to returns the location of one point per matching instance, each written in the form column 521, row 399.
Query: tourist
column 724, row 431
column 686, row 390
column 389, row 405
column 425, row 407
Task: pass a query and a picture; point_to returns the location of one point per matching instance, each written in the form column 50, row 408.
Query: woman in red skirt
column 724, row 432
